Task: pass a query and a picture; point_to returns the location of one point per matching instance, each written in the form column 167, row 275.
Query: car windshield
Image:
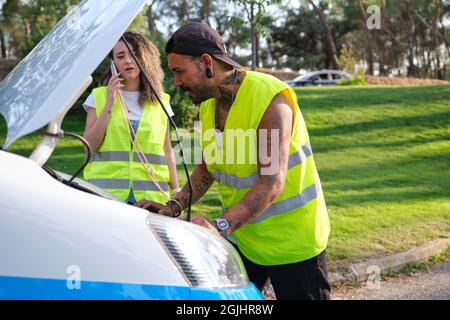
column 48, row 78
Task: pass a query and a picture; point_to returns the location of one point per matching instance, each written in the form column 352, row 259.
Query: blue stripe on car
column 22, row 288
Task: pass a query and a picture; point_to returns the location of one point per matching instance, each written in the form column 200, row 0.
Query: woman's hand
column 113, row 88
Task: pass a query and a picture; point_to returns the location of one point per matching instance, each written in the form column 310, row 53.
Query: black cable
column 188, row 218
column 52, row 173
column 88, row 152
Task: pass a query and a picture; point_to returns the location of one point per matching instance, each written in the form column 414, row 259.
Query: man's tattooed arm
column 201, row 181
column 278, row 116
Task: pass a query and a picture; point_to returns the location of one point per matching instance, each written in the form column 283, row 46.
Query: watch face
column 222, row 224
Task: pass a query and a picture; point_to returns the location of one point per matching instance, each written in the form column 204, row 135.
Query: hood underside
column 47, row 79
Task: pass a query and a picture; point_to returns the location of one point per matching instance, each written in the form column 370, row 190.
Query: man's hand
column 202, row 221
column 156, row 207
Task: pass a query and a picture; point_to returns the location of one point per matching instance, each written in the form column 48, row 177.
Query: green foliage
column 29, row 21
column 353, row 82
column 298, row 43
column 346, row 61
column 185, row 112
column 255, row 11
column 139, row 25
column 257, row 7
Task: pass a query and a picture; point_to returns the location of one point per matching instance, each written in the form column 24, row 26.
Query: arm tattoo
column 276, row 123
column 198, row 188
column 253, row 201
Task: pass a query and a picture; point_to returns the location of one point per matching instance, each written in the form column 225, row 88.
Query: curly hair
column 149, row 57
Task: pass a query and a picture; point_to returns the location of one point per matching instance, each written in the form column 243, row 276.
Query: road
column 431, row 284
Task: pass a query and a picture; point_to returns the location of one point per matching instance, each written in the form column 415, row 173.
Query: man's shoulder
column 258, row 82
column 263, row 78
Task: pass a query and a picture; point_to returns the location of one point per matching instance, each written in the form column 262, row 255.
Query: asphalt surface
column 431, row 284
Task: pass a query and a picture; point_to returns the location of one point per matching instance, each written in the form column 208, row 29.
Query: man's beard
column 198, row 94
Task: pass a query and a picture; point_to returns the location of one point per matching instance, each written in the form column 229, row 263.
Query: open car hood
column 43, row 83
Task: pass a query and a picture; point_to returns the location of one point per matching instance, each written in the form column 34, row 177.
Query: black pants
column 305, row 280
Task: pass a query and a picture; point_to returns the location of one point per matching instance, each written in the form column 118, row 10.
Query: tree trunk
column 397, row 64
column 411, row 65
column 370, row 60
column 26, row 27
column 183, row 11
column 253, row 35
column 441, row 36
column 206, row 10
column 2, row 43
column 427, row 63
column 412, row 35
column 273, row 58
column 257, row 60
column 329, row 41
column 382, row 63
column 370, row 41
column 151, row 20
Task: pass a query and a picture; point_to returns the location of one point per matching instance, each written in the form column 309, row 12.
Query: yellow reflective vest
column 295, row 227
column 116, row 166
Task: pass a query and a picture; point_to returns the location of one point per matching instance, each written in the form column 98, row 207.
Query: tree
column 329, row 41
column 151, row 18
column 234, row 31
column 2, row 36
column 205, row 10
column 255, row 10
column 29, row 21
column 297, row 42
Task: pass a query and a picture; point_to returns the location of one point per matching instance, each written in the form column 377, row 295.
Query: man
column 274, row 209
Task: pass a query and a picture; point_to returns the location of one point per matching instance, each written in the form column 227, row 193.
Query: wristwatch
column 222, row 225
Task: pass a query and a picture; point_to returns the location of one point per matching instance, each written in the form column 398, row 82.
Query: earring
column 209, row 73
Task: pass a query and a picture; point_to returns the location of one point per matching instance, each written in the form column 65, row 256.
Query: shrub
column 357, row 81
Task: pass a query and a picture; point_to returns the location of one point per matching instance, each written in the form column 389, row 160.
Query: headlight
column 205, row 259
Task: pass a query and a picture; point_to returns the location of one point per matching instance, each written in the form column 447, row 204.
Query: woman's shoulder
column 100, row 89
column 166, row 95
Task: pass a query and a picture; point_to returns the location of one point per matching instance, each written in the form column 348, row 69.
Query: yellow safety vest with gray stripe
column 116, row 166
column 296, row 226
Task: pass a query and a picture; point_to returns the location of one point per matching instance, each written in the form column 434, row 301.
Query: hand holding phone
column 114, row 84
column 113, row 68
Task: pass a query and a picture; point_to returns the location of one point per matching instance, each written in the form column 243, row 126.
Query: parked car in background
column 319, row 78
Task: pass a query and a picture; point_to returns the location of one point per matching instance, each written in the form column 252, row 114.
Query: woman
column 128, row 130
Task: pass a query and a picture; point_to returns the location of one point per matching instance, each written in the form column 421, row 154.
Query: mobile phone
column 113, row 68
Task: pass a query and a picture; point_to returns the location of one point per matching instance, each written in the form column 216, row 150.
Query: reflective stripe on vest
column 296, row 202
column 125, row 156
column 247, row 182
column 117, row 167
column 295, row 226
column 125, row 184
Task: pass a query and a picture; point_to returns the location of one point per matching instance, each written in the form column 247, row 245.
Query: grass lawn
column 383, row 155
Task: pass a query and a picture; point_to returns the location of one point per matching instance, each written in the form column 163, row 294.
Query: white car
column 63, row 239
column 320, row 78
